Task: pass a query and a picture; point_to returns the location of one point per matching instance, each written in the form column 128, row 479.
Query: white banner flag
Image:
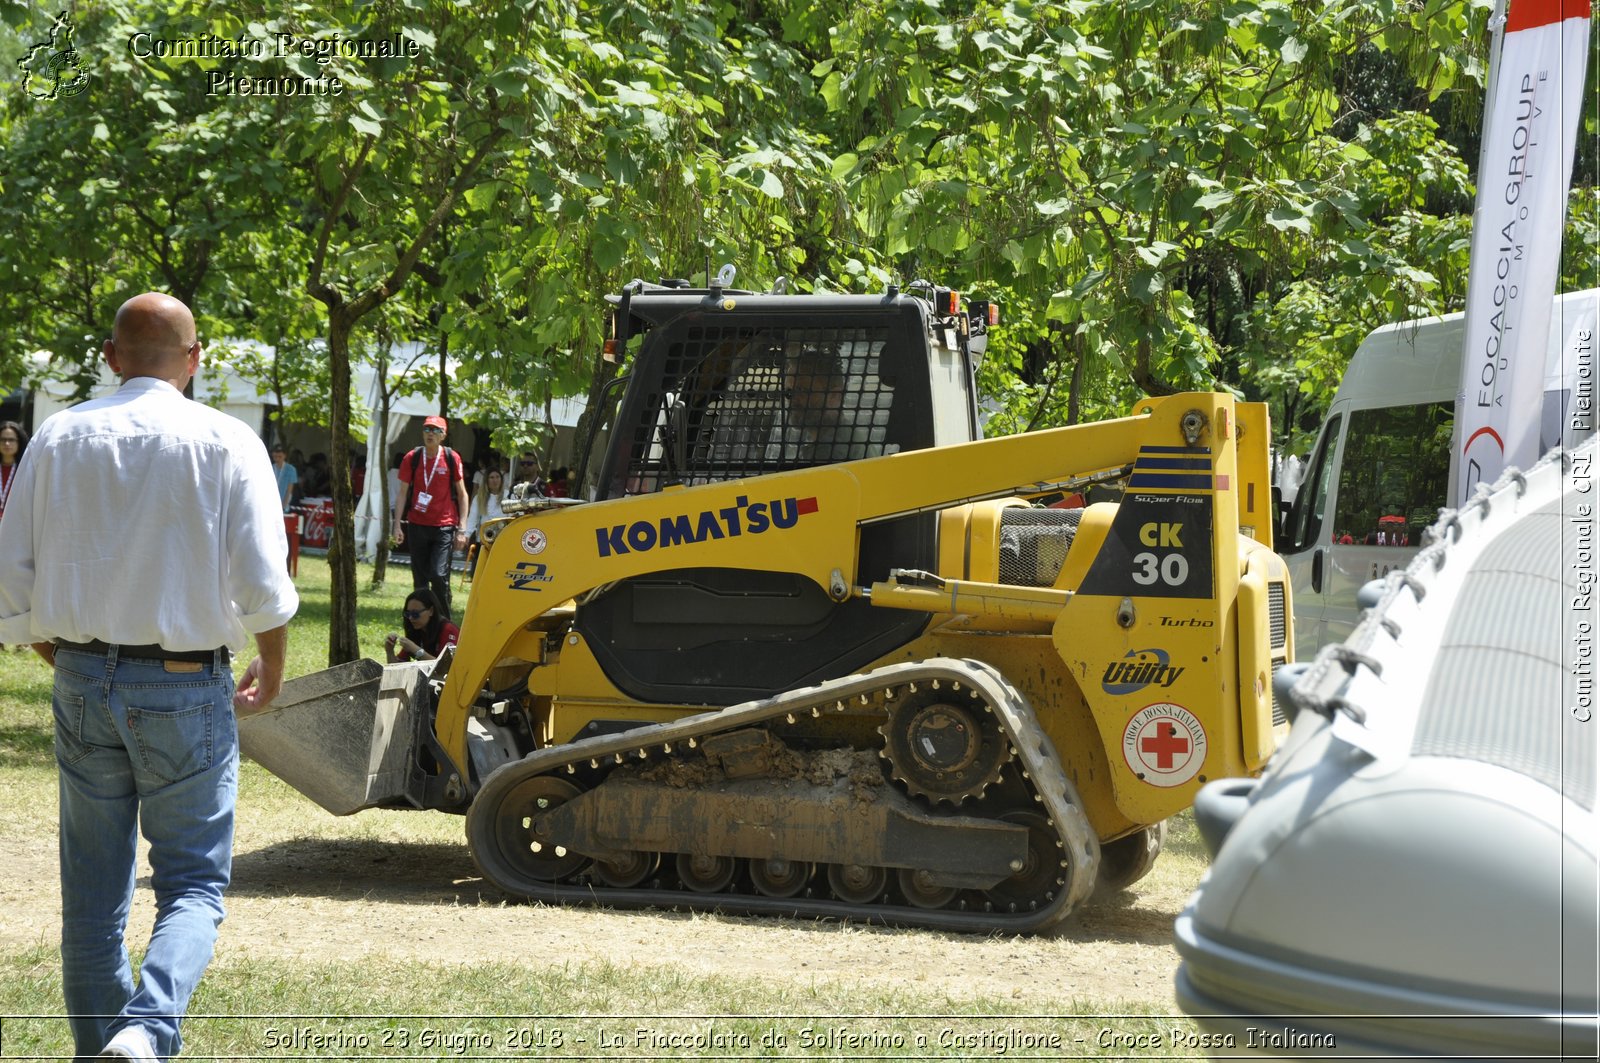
column 1529, row 131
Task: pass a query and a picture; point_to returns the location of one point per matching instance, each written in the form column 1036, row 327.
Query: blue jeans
column 143, row 744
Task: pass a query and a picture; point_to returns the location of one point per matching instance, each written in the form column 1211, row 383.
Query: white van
column 1382, row 465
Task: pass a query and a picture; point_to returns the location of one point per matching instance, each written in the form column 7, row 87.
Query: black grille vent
column 1278, row 615
column 1034, row 543
column 1279, row 715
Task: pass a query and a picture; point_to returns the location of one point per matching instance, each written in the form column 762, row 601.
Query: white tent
column 219, row 385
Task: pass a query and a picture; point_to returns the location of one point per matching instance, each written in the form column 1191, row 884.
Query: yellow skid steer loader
column 807, row 645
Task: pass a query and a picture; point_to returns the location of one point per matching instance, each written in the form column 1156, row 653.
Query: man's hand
column 399, row 534
column 257, row 687
column 263, row 680
column 461, row 538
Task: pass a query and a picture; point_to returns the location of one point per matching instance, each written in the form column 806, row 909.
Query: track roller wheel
column 857, row 883
column 921, row 891
column 1044, row 872
column 777, row 877
column 627, row 871
column 706, row 874
column 519, row 850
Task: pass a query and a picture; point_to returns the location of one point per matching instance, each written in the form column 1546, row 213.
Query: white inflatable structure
column 1415, row 875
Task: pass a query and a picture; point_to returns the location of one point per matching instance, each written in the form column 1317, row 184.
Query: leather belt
column 145, row 653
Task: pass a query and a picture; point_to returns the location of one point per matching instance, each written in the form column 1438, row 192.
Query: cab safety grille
column 747, row 401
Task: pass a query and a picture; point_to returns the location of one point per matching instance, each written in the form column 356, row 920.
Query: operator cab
column 725, row 384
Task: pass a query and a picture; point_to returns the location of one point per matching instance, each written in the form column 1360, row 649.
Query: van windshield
column 1394, row 474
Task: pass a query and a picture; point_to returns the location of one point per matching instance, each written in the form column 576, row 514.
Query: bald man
column 142, row 544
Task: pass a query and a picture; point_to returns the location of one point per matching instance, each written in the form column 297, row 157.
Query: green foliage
column 122, row 188
column 1580, row 259
column 1163, row 170
column 1378, row 255
column 1162, row 194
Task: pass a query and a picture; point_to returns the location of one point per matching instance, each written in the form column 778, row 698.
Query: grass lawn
column 585, row 1011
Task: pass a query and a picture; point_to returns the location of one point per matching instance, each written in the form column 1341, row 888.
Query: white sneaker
column 131, row 1042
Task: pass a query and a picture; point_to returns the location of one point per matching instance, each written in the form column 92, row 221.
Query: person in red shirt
column 427, row 632
column 431, row 510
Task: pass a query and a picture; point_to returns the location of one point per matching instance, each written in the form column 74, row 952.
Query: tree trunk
column 1142, row 374
column 444, row 373
column 1285, row 425
column 380, row 560
column 342, row 640
column 1075, row 387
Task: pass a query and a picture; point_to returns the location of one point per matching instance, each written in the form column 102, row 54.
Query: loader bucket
column 344, row 737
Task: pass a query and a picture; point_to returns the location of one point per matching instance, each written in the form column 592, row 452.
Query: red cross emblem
column 1164, row 745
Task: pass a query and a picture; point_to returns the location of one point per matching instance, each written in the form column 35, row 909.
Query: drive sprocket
column 942, row 742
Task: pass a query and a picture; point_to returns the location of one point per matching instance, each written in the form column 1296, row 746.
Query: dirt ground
column 316, row 889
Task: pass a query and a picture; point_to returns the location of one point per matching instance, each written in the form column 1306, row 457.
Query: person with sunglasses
column 427, row 630
column 528, row 472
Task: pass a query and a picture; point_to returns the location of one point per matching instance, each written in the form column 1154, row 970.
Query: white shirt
column 144, row 518
column 489, row 509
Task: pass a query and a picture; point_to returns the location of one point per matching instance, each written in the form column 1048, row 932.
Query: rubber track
column 1040, row 764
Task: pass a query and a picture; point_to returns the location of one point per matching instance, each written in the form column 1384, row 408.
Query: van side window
column 1395, row 473
column 1311, row 503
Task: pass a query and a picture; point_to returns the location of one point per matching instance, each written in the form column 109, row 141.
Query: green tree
column 375, row 172
column 1171, row 172
column 119, row 189
column 683, row 141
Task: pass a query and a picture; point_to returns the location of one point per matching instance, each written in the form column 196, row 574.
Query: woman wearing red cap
column 429, row 513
